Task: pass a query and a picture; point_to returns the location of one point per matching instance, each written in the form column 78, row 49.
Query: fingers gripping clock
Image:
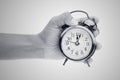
column 77, row 42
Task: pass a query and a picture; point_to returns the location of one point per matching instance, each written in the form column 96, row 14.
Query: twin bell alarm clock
column 77, row 42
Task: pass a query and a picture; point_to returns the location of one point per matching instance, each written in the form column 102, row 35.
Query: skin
column 43, row 45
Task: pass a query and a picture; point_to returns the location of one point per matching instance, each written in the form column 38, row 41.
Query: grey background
column 31, row 16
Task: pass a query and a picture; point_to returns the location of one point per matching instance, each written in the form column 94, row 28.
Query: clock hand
column 71, row 41
column 78, row 37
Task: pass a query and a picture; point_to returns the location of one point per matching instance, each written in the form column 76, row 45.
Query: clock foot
column 65, row 61
column 88, row 64
column 88, row 61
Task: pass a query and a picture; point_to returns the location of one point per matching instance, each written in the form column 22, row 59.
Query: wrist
column 50, row 50
column 38, row 46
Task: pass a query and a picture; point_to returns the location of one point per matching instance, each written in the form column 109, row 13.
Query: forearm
column 20, row 46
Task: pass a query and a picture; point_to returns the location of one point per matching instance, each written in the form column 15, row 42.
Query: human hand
column 51, row 35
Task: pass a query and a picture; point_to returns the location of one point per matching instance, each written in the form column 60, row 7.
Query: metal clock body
column 77, row 42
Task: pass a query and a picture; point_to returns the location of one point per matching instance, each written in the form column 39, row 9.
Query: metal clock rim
column 93, row 45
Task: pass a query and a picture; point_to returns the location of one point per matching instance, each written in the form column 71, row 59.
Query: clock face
column 76, row 43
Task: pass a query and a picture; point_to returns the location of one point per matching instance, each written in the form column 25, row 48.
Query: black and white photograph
column 59, row 40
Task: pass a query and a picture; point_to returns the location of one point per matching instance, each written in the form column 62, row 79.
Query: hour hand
column 71, row 41
column 78, row 37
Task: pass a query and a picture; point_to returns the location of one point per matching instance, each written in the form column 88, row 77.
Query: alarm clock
column 77, row 42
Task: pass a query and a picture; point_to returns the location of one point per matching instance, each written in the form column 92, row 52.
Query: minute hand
column 78, row 37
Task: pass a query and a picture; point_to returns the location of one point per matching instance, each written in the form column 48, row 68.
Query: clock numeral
column 86, row 39
column 82, row 35
column 77, row 34
column 68, row 48
column 67, row 42
column 77, row 53
column 82, row 52
column 71, row 51
column 69, row 38
column 85, row 48
column 87, row 43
